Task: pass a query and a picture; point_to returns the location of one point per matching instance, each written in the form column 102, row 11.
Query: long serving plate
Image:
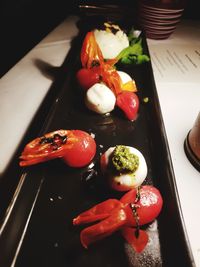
column 37, row 229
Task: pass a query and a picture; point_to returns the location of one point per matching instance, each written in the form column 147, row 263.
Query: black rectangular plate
column 38, row 231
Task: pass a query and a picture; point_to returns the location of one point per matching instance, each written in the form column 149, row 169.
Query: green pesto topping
column 123, row 160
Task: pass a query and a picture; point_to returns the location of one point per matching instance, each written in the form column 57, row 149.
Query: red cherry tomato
column 135, row 208
column 128, row 102
column 149, row 204
column 87, row 77
column 81, row 152
column 76, row 147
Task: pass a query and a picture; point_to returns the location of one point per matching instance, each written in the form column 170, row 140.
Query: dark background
column 23, row 23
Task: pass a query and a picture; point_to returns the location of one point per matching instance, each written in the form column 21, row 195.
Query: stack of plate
column 159, row 19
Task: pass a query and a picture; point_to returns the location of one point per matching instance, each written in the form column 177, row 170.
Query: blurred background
column 23, row 23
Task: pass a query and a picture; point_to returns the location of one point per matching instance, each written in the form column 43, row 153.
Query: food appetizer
column 136, row 208
column 116, row 44
column 124, row 166
column 126, row 169
column 77, row 148
column 111, row 40
column 106, row 87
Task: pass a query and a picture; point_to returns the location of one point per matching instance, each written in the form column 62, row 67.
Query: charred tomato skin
column 76, row 147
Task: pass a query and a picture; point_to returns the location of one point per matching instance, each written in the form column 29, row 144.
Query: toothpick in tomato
column 77, row 148
column 137, row 207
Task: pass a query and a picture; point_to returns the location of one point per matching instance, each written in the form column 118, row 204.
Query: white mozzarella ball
column 125, row 77
column 111, row 44
column 124, row 181
column 100, row 99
